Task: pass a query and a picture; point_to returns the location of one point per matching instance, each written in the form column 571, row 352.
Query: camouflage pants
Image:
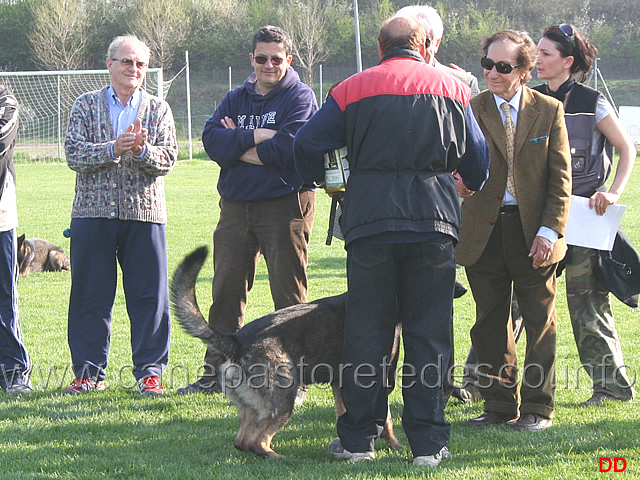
column 593, row 325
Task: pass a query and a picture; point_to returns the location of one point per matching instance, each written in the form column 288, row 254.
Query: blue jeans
column 413, row 282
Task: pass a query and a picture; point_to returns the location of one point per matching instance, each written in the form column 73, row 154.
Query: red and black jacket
column 407, row 127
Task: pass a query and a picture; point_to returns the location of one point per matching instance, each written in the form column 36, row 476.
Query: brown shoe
column 532, row 422
column 492, row 418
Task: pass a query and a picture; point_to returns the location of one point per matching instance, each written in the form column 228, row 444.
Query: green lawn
column 118, row 434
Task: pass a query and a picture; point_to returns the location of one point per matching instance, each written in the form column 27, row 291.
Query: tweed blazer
column 542, row 172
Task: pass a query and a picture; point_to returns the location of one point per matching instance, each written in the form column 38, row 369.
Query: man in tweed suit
column 121, row 142
column 512, row 235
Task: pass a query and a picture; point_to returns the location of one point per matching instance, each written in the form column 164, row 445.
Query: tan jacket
column 542, row 171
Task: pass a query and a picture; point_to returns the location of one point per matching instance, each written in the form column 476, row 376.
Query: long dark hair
column 571, row 42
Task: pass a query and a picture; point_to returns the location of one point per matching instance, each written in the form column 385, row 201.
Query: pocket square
column 539, row 139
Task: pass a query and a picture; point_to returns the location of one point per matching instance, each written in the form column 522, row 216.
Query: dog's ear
column 20, row 239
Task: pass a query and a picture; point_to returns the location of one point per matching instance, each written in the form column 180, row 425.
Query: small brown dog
column 37, row 255
column 263, row 364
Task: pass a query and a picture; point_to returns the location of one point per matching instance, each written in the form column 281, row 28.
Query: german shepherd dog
column 37, row 255
column 263, row 364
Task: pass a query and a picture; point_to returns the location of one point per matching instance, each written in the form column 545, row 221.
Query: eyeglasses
column 501, row 67
column 262, row 59
column 128, row 63
column 566, row 29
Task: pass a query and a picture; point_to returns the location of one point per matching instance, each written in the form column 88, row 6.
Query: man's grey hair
column 112, row 51
column 428, row 17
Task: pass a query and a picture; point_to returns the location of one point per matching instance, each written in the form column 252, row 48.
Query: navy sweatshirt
column 285, row 109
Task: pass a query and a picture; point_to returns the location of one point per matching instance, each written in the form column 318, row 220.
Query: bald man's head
column 401, row 32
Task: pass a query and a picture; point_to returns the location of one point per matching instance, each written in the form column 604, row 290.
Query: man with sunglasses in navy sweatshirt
column 264, row 207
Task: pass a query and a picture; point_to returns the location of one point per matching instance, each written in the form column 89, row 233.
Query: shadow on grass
column 118, row 434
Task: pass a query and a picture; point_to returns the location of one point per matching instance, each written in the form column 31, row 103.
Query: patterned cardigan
column 127, row 187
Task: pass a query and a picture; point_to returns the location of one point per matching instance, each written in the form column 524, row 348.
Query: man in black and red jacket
column 407, row 128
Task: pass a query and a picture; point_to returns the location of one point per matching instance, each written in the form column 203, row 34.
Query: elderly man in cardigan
column 121, row 142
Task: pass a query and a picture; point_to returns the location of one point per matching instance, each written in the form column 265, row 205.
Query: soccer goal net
column 45, row 100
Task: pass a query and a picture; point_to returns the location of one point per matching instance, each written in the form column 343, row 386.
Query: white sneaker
column 432, row 460
column 338, row 451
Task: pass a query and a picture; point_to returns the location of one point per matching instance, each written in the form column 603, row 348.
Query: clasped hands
column 131, row 140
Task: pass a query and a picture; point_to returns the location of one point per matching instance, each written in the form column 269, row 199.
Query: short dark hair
column 576, row 45
column 527, row 49
column 401, row 32
column 271, row 34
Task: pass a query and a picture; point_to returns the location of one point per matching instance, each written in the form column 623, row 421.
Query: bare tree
column 59, row 34
column 164, row 26
column 306, row 22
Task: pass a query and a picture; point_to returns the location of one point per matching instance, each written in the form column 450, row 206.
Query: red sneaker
column 150, row 385
column 84, row 385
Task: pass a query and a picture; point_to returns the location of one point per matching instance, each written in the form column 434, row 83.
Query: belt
column 505, row 209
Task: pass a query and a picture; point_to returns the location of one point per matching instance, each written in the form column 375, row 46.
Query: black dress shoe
column 532, row 422
column 492, row 418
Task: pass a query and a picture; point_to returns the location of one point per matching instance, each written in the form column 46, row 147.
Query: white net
column 45, row 99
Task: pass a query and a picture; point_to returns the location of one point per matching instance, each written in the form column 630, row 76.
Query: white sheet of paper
column 588, row 229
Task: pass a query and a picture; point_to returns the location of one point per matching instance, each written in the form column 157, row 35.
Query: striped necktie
column 510, row 134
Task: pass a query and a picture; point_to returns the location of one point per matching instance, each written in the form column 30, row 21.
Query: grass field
column 116, row 434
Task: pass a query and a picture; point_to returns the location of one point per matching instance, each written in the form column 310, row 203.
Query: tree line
column 74, row 34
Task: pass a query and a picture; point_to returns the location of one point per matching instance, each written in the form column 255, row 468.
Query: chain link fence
column 618, row 80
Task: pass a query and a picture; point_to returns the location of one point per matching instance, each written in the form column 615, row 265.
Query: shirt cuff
column 549, row 234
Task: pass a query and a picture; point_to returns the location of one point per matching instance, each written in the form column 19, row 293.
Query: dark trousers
column 278, row 229
column 13, row 354
column 141, row 250
column 471, row 364
column 414, row 282
column 503, row 266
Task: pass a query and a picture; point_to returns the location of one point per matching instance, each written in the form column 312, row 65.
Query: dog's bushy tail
column 186, row 310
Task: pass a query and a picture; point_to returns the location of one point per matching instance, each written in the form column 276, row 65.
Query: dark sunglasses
column 501, row 67
column 128, row 63
column 262, row 59
column 566, row 29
